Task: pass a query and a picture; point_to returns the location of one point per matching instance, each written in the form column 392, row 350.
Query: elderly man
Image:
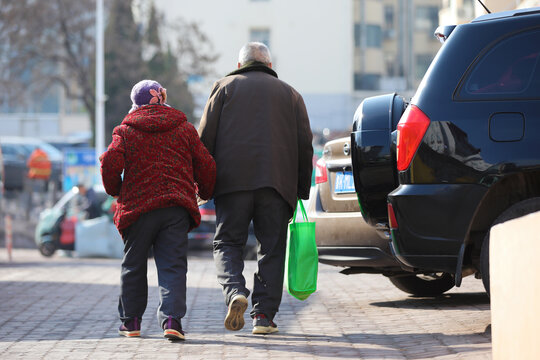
column 257, row 128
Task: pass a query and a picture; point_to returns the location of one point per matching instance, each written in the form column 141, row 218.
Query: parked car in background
column 343, row 238
column 465, row 154
column 16, row 151
column 201, row 238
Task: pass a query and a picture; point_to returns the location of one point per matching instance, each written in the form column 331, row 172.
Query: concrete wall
column 310, row 41
column 515, row 288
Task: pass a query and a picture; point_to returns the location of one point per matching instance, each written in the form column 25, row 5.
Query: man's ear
column 239, row 65
column 270, row 65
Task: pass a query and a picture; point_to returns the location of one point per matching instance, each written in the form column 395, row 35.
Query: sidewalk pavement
column 65, row 308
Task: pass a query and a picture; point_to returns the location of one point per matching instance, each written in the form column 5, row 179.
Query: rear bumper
column 345, row 239
column 342, row 228
column 433, row 222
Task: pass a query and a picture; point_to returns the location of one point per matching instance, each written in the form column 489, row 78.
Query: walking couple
column 252, row 154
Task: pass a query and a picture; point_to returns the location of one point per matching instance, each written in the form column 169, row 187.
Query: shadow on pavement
column 390, row 346
column 447, row 301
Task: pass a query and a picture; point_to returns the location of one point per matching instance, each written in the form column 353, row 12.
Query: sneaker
column 263, row 325
column 234, row 320
column 172, row 329
column 130, row 328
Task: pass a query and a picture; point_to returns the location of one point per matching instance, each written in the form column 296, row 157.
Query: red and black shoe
column 172, row 329
column 263, row 325
column 130, row 328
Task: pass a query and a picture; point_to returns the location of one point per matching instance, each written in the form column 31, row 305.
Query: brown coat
column 257, row 128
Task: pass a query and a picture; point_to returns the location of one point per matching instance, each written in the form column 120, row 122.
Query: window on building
column 366, row 81
column 510, row 70
column 422, row 63
column 260, row 35
column 427, row 19
column 393, row 68
column 357, row 41
column 373, row 36
column 466, row 10
column 389, row 29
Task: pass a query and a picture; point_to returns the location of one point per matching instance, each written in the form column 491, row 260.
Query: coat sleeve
column 112, row 164
column 305, row 150
column 210, row 119
column 204, row 166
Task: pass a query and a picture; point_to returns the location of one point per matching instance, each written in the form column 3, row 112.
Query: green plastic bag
column 302, row 258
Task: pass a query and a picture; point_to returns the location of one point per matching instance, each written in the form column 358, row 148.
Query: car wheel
column 517, row 210
column 423, row 285
column 47, row 248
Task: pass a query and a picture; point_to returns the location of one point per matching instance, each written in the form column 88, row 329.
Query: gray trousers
column 164, row 230
column 270, row 214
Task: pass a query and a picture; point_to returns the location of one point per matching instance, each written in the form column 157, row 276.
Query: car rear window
column 507, row 71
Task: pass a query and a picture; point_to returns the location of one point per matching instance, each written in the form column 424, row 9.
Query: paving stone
column 65, row 308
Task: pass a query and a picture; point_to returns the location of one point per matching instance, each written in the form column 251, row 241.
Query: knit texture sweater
column 156, row 160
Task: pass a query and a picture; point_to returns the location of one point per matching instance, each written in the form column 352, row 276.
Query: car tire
column 47, row 248
column 517, row 210
column 423, row 286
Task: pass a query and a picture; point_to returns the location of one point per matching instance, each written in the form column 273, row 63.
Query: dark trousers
column 270, row 214
column 164, row 230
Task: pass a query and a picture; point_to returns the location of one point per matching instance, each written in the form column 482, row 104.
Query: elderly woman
column 165, row 166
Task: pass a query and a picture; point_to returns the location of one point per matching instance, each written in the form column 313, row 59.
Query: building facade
column 335, row 53
column 394, row 43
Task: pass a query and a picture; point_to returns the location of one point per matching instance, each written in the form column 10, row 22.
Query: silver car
column 343, row 237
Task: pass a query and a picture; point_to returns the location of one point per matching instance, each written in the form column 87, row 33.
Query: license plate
column 344, row 183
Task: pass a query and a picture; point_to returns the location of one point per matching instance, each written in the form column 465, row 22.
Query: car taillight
column 205, row 211
column 321, row 176
column 411, row 129
column 392, row 217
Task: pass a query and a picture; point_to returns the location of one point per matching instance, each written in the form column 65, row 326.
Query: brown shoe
column 234, row 320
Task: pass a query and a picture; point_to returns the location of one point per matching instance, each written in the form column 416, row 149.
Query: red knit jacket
column 163, row 162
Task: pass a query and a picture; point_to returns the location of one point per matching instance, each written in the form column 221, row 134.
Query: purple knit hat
column 147, row 92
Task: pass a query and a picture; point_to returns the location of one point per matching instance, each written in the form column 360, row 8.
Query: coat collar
column 253, row 66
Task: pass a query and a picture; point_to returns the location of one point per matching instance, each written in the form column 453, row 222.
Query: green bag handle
column 304, row 215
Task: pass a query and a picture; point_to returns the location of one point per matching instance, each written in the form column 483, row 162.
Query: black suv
column 466, row 152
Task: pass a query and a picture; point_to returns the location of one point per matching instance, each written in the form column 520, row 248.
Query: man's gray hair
column 254, row 51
